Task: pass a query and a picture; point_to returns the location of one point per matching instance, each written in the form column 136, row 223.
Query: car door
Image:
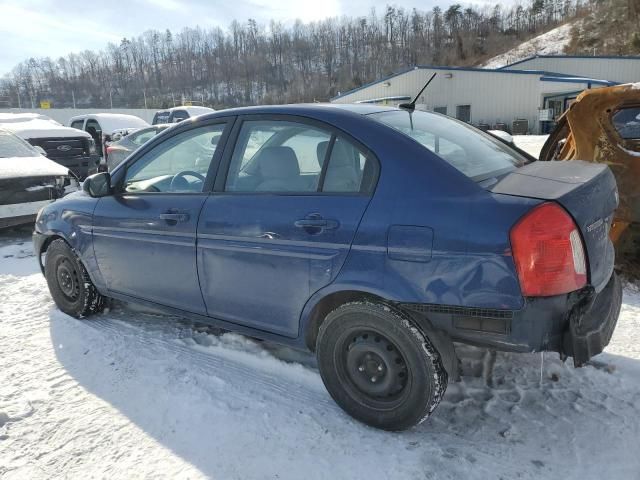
column 279, row 226
column 144, row 235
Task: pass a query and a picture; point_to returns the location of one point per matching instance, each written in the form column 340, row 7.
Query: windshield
column 11, row 146
column 476, row 154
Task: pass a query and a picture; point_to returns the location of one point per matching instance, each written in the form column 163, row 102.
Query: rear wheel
column 69, row 283
column 379, row 367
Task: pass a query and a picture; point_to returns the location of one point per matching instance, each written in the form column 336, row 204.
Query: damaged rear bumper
column 578, row 324
column 592, row 321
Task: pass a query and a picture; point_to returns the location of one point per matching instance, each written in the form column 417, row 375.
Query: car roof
column 303, row 109
column 113, row 121
column 188, row 108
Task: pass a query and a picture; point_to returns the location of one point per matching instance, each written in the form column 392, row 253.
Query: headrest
column 278, row 162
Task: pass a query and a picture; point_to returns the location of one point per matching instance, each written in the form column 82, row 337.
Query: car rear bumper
column 592, row 321
column 579, row 324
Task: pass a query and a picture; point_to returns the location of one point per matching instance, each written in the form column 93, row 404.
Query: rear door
column 281, row 223
column 144, row 235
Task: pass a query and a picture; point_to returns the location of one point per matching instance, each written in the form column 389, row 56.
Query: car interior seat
column 279, row 170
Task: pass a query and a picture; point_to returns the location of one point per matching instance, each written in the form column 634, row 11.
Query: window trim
column 334, row 132
column 152, row 144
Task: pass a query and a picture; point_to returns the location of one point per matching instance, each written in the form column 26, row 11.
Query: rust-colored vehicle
column 603, row 126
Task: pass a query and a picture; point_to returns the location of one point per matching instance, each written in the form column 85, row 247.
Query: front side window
column 177, row 165
column 77, row 124
column 277, row 156
column 627, row 123
column 476, row 154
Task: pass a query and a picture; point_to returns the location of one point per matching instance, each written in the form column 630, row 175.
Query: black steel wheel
column 378, row 366
column 69, row 283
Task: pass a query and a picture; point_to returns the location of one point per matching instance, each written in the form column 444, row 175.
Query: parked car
column 103, row 126
column 177, row 114
column 28, row 181
column 371, row 235
column 69, row 147
column 118, row 150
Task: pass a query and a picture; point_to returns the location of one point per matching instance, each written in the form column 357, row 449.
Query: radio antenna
column 411, row 106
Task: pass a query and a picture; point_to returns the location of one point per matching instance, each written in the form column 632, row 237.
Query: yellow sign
column 187, row 104
column 45, row 104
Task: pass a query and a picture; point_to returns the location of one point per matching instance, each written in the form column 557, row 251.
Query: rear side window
column 140, row 138
column 161, row 117
column 277, row 156
column 476, row 154
column 627, row 123
column 179, row 115
column 349, row 170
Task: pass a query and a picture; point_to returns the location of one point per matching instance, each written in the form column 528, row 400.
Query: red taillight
column 548, row 252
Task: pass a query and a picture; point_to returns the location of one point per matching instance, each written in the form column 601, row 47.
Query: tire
column 379, row 367
column 69, row 283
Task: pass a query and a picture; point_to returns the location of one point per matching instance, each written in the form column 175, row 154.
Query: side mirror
column 40, row 150
column 98, row 185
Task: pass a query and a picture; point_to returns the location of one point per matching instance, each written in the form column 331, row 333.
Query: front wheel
column 379, row 367
column 69, row 283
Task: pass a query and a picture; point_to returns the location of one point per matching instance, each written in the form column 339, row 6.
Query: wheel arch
column 316, row 311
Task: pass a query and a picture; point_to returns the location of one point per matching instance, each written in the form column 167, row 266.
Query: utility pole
column 173, row 99
column 73, row 97
column 144, row 93
column 110, row 99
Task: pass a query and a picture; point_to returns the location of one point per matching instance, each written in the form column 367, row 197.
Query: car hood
column 39, row 128
column 23, row 167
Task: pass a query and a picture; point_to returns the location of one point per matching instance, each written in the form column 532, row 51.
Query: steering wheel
column 179, row 183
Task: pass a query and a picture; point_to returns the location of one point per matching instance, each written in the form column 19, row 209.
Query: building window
column 463, row 112
column 442, row 110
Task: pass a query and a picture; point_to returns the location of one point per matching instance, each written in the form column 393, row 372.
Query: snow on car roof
column 113, row 121
column 194, row 110
column 34, row 125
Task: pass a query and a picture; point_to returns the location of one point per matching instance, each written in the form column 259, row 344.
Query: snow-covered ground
column 549, row 43
column 132, row 394
column 532, row 144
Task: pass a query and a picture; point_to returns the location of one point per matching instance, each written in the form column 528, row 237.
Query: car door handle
column 174, row 217
column 314, row 222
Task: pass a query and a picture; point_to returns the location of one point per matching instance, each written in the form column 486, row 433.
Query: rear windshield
column 11, row 146
column 476, row 154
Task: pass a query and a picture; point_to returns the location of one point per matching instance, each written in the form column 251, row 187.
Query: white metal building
column 490, row 97
column 616, row 69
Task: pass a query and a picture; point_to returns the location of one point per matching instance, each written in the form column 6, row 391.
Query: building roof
column 605, row 57
column 544, row 76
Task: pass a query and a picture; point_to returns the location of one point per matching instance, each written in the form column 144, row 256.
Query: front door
column 281, row 225
column 144, row 235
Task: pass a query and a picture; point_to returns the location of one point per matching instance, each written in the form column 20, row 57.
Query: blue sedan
column 376, row 237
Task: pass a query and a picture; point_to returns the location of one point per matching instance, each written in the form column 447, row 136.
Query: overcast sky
column 54, row 28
